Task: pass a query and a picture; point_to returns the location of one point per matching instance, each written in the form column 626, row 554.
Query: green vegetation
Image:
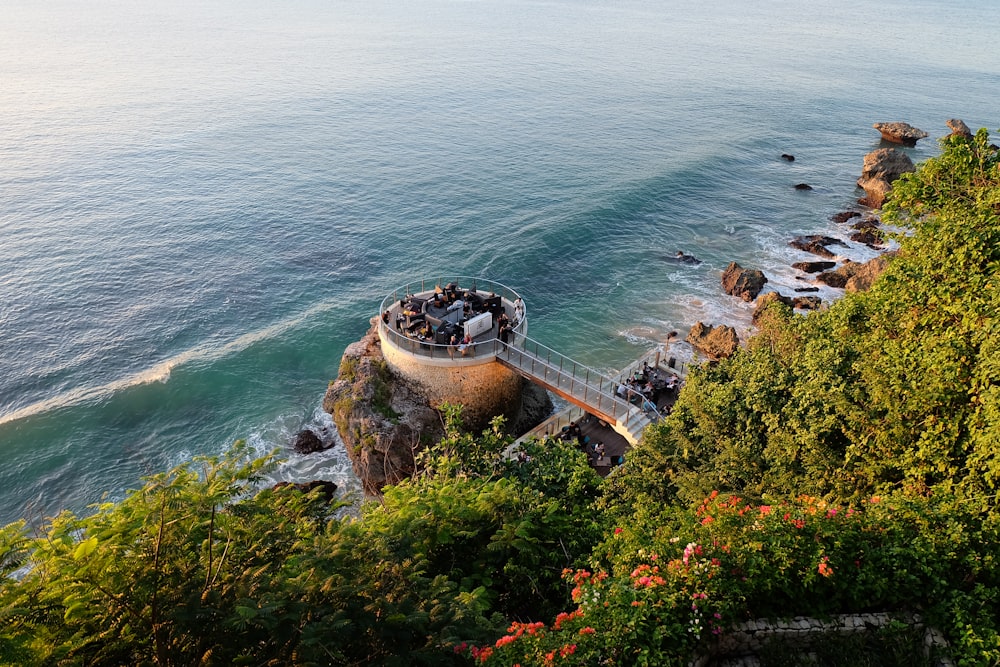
column 382, row 388
column 843, row 462
column 348, row 369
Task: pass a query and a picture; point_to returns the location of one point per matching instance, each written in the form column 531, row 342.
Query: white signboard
column 479, row 324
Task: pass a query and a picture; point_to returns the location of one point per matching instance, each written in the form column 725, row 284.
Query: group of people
column 647, row 386
column 411, row 318
column 505, row 328
column 596, row 451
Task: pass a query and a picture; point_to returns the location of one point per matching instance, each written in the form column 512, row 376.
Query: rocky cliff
column 385, row 419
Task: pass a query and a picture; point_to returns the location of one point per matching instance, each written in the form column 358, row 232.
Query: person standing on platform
column 518, row 310
column 507, row 334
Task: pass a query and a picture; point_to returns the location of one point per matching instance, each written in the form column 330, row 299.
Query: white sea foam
column 331, row 464
column 161, row 372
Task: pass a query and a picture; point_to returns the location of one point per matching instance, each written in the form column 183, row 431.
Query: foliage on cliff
column 892, row 389
column 197, row 569
column 845, row 461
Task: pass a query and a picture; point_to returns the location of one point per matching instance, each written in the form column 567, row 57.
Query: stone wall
column 483, row 387
column 738, row 646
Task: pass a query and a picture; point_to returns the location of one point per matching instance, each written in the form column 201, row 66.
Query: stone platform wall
column 738, row 646
column 484, row 387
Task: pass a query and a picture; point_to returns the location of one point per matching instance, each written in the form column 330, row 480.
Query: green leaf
column 85, row 548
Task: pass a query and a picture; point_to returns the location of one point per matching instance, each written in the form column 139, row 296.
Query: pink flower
column 618, row 530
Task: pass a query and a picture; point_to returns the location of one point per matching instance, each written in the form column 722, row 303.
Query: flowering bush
column 663, row 593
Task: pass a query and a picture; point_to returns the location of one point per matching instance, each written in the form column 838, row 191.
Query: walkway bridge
column 414, row 306
column 578, row 384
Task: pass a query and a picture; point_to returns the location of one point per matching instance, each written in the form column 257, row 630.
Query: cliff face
column 385, row 419
column 383, row 422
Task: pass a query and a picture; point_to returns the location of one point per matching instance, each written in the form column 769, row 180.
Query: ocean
column 202, row 204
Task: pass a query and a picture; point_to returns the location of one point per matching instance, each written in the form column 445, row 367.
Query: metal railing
column 426, row 286
column 427, row 348
column 575, row 380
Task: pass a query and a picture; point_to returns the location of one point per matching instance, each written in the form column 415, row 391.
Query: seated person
column 466, row 345
column 457, row 304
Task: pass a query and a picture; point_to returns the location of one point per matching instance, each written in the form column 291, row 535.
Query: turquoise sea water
column 202, row 204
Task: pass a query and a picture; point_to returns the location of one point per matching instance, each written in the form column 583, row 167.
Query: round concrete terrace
column 419, row 319
column 416, row 328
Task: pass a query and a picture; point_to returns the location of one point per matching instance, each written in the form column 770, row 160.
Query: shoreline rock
column 743, row 283
column 816, row 244
column 958, row 128
column 813, row 267
column 385, row 420
column 868, row 272
column 844, row 216
column 881, row 167
column 716, row 342
column 308, row 441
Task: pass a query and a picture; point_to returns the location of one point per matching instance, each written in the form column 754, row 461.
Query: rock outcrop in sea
column 386, row 420
column 383, row 423
column 881, row 168
column 307, row 442
column 816, row 244
column 900, row 133
column 743, row 283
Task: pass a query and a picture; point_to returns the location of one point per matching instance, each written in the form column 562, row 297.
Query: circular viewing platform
column 453, row 321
